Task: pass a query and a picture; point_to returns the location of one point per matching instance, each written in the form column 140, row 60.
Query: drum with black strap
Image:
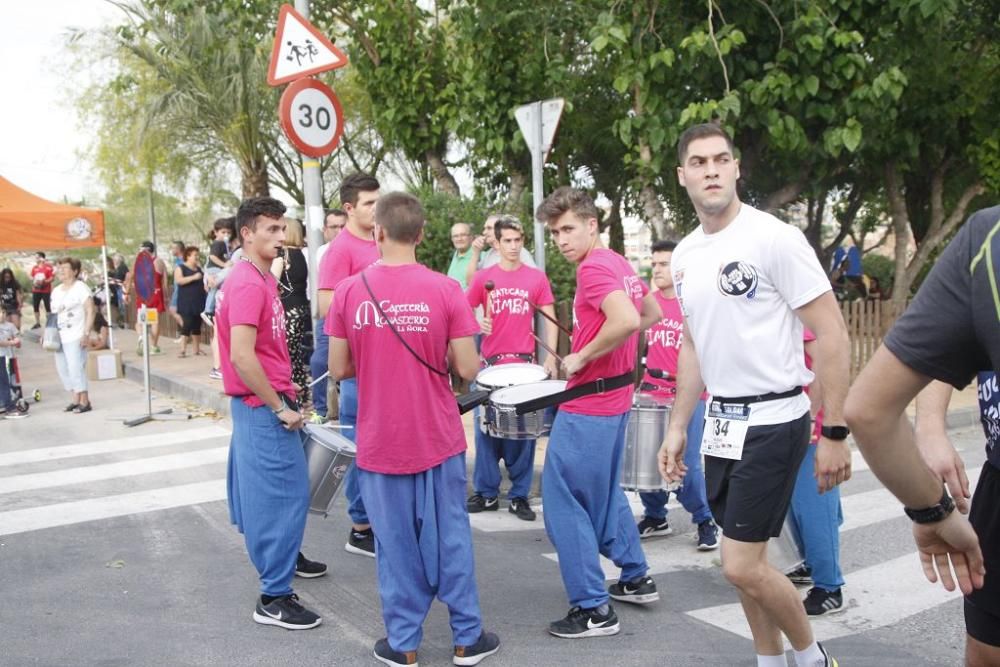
column 492, row 378
column 502, row 420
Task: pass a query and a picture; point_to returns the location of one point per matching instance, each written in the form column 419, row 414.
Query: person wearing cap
column 147, row 276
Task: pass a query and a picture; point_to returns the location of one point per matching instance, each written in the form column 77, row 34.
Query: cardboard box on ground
column 104, row 365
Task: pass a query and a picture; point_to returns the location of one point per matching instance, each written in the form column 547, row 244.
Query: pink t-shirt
column 513, row 317
column 345, row 256
column 601, row 273
column 408, row 419
column 251, row 297
column 663, row 346
column 807, row 337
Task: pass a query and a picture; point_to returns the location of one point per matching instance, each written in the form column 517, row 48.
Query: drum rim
column 346, row 443
column 497, row 402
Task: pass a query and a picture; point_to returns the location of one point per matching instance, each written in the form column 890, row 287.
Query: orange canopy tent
column 28, row 222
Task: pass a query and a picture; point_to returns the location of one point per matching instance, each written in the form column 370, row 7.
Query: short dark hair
column 334, row 211
column 253, row 207
column 180, row 244
column 73, row 262
column 190, row 249
column 355, row 183
column 507, row 221
column 40, row 254
column 701, row 132
column 223, row 223
column 401, row 216
column 564, row 199
column 663, row 245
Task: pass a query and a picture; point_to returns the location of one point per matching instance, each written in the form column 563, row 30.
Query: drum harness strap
column 525, row 357
column 598, row 386
column 393, row 329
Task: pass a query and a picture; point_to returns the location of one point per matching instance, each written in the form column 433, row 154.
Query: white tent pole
column 107, row 297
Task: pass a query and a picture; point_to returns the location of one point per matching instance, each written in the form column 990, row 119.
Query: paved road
column 116, row 549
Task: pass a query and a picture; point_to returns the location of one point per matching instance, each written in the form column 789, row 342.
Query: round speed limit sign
column 311, row 117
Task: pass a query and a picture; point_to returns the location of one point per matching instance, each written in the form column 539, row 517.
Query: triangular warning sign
column 300, row 49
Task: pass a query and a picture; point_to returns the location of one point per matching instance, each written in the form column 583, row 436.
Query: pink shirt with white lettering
column 601, row 273
column 408, row 419
column 250, row 297
column 512, row 314
column 345, row 256
column 663, row 341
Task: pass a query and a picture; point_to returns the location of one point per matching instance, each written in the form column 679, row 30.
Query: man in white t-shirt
column 746, row 283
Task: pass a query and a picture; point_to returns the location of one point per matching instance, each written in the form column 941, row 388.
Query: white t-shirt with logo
column 738, row 290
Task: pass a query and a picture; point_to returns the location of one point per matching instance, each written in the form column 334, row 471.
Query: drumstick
column 489, row 297
column 660, row 374
column 553, row 320
column 546, row 347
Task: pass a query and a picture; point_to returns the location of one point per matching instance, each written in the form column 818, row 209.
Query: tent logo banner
column 79, row 229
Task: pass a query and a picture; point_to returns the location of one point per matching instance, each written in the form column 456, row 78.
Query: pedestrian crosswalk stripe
column 62, row 514
column 108, row 446
column 119, row 469
column 875, row 597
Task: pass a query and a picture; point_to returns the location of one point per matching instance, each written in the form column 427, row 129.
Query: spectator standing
column 11, row 298
column 461, row 239
column 42, row 275
column 75, row 310
column 292, row 272
column 189, row 279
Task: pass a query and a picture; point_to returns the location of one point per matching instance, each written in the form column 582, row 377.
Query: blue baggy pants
column 518, row 456
column 268, row 490
column 349, row 417
column 423, row 549
column 586, row 512
column 817, row 519
column 319, row 363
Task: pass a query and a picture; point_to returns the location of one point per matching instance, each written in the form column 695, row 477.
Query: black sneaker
column 801, row 576
column 309, row 569
column 650, row 527
column 830, row 660
column 520, row 508
column 708, row 535
column 819, row 601
column 477, row 503
column 487, row 644
column 361, row 542
column 641, row 590
column 286, row 612
column 580, row 622
column 386, row 655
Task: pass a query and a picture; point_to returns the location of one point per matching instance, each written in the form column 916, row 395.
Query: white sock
column 771, row 660
column 812, row 656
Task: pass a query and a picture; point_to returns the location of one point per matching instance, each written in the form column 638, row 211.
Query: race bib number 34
column 725, row 430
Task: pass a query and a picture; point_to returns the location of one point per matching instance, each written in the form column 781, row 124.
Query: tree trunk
column 255, row 183
column 442, row 177
column 616, row 232
column 515, row 199
column 940, row 228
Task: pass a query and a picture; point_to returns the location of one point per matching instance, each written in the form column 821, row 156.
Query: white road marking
column 115, row 470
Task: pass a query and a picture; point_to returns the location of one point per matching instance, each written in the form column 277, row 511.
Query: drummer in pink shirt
column 267, row 481
column 507, row 338
column 351, row 251
column 397, row 327
column 664, row 340
column 586, row 513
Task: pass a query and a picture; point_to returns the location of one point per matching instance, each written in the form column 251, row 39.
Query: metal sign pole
column 143, row 316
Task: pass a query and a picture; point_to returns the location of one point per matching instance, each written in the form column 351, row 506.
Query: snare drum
column 647, row 425
column 506, row 375
column 328, row 457
column 783, row 552
column 502, row 420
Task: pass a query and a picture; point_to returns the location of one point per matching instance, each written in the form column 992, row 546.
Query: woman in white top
column 74, row 307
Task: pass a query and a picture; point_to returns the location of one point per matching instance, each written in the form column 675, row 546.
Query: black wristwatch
column 835, row 432
column 934, row 513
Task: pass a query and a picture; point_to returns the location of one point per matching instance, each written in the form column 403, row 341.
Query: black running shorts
column 982, row 608
column 749, row 498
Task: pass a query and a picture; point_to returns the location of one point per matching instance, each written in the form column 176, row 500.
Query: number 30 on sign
column 311, row 117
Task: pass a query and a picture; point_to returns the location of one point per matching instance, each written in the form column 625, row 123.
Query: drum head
column 329, row 438
column 506, row 375
column 526, row 392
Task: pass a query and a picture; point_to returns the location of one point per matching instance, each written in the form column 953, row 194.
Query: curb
column 176, row 387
